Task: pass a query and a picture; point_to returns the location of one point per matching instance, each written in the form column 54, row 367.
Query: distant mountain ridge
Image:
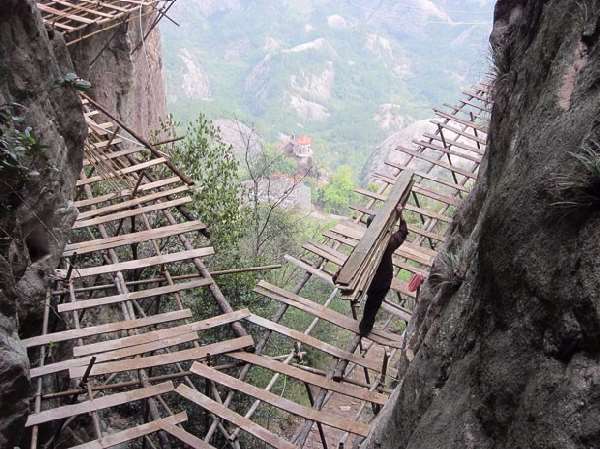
column 348, row 73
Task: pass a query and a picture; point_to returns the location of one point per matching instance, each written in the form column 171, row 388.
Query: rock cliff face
column 504, row 350
column 35, row 209
column 126, row 72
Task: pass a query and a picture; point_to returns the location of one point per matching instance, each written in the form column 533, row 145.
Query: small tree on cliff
column 210, row 162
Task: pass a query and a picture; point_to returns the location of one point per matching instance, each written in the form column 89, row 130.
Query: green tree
column 338, row 194
column 212, row 165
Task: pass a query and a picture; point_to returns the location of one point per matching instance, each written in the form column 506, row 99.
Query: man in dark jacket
column 382, row 280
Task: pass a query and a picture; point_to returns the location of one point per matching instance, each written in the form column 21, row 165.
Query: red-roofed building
column 302, row 146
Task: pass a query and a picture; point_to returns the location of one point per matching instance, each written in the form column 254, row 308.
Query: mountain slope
column 348, row 73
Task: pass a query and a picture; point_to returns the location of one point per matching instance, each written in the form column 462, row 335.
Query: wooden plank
column 64, row 14
column 455, row 118
column 371, row 194
column 456, row 143
column 83, row 8
column 73, row 334
column 326, row 252
column 99, row 403
column 400, row 313
column 400, row 287
column 126, row 192
column 271, row 291
column 309, row 269
column 140, row 294
column 423, row 190
column 113, row 154
column 398, row 194
column 327, row 418
column 430, row 177
column 437, row 162
column 131, row 203
column 115, row 355
column 459, row 132
column 313, row 342
column 441, row 149
column 186, row 437
column 243, row 423
column 133, row 340
column 90, row 246
column 138, row 263
column 478, row 96
column 428, row 213
column 122, row 172
column 345, row 389
column 202, row 352
column 132, row 212
column 118, row 438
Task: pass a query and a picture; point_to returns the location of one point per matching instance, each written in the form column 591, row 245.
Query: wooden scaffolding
column 118, row 321
column 81, row 19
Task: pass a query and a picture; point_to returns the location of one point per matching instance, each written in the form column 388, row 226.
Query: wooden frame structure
column 81, row 19
column 135, row 262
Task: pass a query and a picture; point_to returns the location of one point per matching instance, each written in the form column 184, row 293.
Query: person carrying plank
column 382, row 280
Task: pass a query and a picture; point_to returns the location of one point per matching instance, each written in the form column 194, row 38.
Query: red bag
column 415, row 282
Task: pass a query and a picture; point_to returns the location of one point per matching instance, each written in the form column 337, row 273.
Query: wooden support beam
column 73, row 334
column 201, row 352
column 123, row 171
column 225, row 413
column 439, row 163
column 135, row 295
column 329, row 419
column 90, row 246
column 138, row 339
column 133, row 433
column 278, row 294
column 139, row 263
column 314, row 379
column 66, row 411
column 313, row 342
column 132, row 212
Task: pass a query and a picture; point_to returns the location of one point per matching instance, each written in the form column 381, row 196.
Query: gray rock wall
column 126, row 80
column 508, row 355
column 35, row 209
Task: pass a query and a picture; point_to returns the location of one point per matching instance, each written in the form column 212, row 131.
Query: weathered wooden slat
column 132, row 212
column 115, row 439
column 83, row 8
column 202, row 352
column 73, row 334
column 313, row 379
column 115, row 355
column 327, row 418
column 138, row 263
column 64, row 14
column 90, row 246
column 441, row 149
column 125, row 192
column 243, row 423
column 140, row 294
column 396, row 311
column 423, row 190
column 325, row 252
column 476, row 95
column 428, row 213
column 96, row 404
column 309, row 269
column 455, row 118
column 271, row 291
column 124, row 171
column 113, row 154
column 456, row 143
column 437, row 162
column 131, row 203
column 313, row 342
column 459, row 132
column 186, row 437
column 430, row 177
column 133, row 340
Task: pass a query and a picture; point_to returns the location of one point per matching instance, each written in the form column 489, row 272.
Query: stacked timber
column 358, row 270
